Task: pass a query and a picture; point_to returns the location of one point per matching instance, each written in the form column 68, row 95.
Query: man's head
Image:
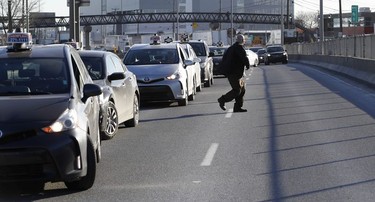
column 240, row 39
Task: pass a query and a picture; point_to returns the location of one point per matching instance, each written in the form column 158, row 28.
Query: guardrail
column 352, row 56
column 356, row 46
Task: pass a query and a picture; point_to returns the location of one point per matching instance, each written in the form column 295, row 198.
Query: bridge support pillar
column 87, row 30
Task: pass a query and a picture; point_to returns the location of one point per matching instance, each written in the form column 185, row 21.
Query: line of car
column 59, row 103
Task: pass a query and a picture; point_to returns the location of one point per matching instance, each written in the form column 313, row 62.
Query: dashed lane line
column 210, row 155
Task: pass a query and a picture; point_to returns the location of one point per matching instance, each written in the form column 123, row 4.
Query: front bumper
column 166, row 90
column 42, row 157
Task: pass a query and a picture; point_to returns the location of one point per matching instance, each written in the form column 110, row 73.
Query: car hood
column 30, row 110
column 153, row 71
column 276, row 53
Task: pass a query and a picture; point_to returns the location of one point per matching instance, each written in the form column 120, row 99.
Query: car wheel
column 192, row 95
column 185, row 101
column 111, row 122
column 199, row 87
column 135, row 120
column 255, row 63
column 285, row 62
column 87, row 181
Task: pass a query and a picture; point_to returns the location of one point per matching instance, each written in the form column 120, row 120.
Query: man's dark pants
column 237, row 93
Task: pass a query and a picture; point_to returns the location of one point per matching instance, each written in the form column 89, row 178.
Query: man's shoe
column 239, row 110
column 222, row 104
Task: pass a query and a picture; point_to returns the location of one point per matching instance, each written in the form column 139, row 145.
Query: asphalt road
column 307, row 136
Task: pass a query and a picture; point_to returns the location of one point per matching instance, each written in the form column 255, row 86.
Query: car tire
column 111, row 122
column 285, row 62
column 199, row 87
column 256, row 62
column 135, row 120
column 192, row 95
column 87, row 181
column 185, row 101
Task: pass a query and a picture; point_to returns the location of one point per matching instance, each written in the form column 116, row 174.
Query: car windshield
column 95, row 67
column 199, row 49
column 33, row 76
column 275, row 49
column 151, row 56
column 261, row 51
column 218, row 51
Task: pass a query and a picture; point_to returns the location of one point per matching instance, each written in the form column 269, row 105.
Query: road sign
column 355, row 14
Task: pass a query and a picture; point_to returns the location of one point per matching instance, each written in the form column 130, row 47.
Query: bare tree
column 18, row 10
column 309, row 20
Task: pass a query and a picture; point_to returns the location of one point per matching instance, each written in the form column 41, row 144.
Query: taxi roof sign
column 155, row 39
column 19, row 37
column 19, row 41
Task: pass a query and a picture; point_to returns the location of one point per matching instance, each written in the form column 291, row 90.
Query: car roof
column 43, row 51
column 94, row 53
column 155, row 46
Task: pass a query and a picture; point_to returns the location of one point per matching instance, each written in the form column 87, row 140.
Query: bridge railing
column 362, row 46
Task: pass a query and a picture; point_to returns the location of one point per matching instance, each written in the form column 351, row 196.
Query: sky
column 329, row 6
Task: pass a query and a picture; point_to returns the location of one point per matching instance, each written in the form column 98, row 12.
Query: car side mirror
column 188, row 63
column 90, row 90
column 197, row 60
column 116, row 76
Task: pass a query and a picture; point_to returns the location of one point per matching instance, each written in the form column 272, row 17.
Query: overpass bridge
column 135, row 18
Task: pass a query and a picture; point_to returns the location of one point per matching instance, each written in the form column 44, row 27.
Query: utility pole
column 282, row 22
column 321, row 27
column 340, row 8
column 72, row 33
column 10, row 26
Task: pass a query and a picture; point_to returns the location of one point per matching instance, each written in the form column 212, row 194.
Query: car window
column 275, row 49
column 261, row 51
column 94, row 67
column 151, row 56
column 33, row 76
column 117, row 63
column 218, row 51
column 199, row 49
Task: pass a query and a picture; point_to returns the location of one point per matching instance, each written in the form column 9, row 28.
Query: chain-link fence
column 357, row 46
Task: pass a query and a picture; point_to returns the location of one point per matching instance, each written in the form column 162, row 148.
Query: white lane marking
column 210, row 155
column 229, row 113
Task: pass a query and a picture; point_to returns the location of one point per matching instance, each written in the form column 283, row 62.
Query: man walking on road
column 235, row 61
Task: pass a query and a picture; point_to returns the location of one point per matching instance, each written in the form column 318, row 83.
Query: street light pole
column 321, row 27
column 231, row 23
column 282, row 22
column 340, row 7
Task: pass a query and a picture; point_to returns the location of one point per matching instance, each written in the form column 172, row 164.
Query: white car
column 253, row 58
column 193, row 57
column 163, row 71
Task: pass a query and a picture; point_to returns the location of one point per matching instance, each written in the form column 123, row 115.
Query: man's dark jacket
column 234, row 61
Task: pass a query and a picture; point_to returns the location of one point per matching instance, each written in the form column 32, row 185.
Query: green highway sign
column 354, row 13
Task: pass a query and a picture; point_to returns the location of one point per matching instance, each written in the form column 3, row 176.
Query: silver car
column 119, row 102
column 164, row 72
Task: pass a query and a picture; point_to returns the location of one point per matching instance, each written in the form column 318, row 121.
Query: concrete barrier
column 359, row 68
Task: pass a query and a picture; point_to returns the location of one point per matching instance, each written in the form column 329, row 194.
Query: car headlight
column 284, row 53
column 174, row 76
column 269, row 55
column 67, row 121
